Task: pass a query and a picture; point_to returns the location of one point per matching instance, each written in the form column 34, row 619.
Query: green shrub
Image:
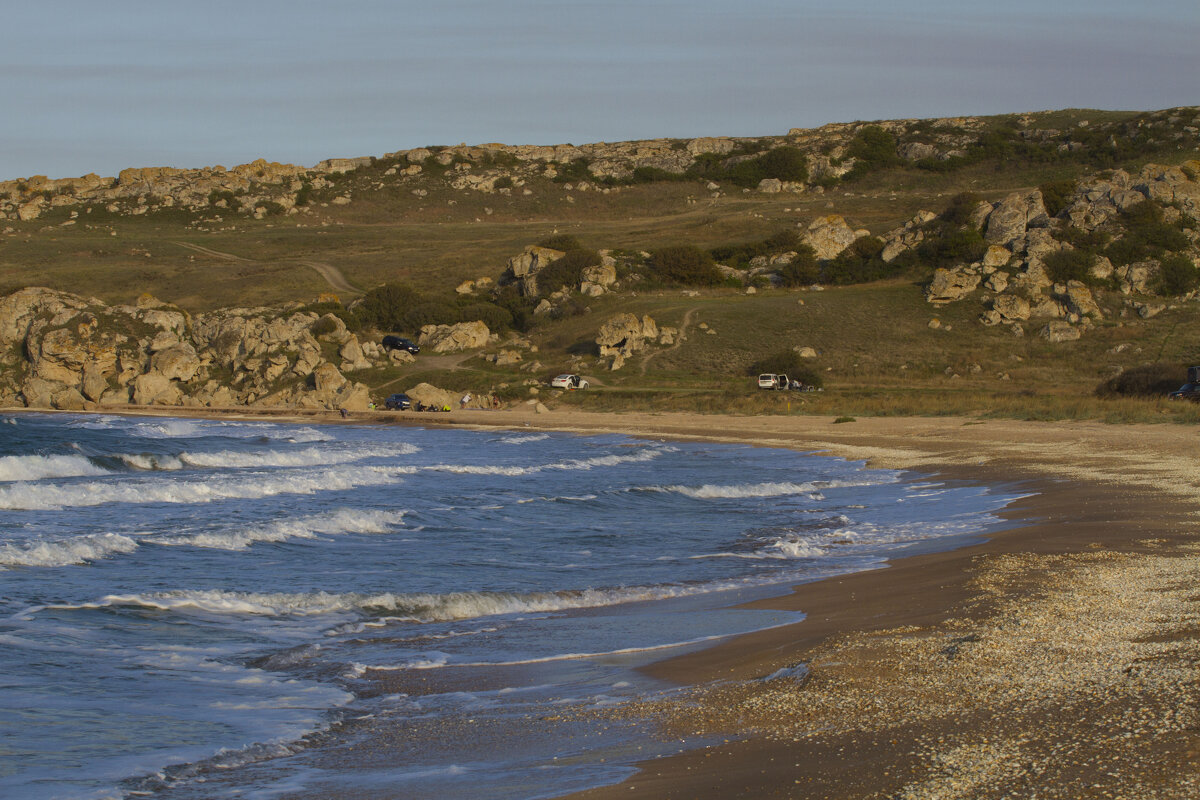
column 1056, row 194
column 961, row 209
column 566, row 271
column 503, row 182
column 740, row 255
column 873, row 148
column 575, row 171
column 497, row 318
column 950, row 248
column 561, row 241
column 1146, row 380
column 787, row 362
column 803, row 269
column 655, row 175
column 1147, row 235
column 861, row 262
column 323, row 326
column 685, row 264
column 1177, row 276
column 385, row 307
column 1069, row 265
column 784, row 163
column 429, row 312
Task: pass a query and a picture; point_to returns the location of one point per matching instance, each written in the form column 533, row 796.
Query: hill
column 1003, row 264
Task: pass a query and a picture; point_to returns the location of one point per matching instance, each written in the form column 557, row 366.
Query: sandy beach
column 1057, row 659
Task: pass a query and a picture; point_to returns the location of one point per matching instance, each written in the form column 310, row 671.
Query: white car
column 569, row 382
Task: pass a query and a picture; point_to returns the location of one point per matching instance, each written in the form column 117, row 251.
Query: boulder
column 1010, row 219
column 997, row 281
column 430, row 395
column 1011, row 308
column 949, row 285
column 1058, row 331
column 455, row 338
column 996, row 256
column 178, row 362
column 830, row 235
column 1079, row 300
column 155, row 389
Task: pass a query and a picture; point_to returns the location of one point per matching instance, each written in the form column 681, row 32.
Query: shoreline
column 944, row 674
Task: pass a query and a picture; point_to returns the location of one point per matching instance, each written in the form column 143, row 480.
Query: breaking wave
column 345, row 520
column 37, row 468
column 49, row 497
column 77, row 550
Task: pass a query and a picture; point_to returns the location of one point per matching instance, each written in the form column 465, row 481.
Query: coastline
column 1058, row 657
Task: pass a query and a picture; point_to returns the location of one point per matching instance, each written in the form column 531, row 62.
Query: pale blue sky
column 96, row 86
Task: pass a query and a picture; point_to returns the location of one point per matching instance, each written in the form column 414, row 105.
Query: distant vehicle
column 1191, row 389
column 398, row 402
column 569, row 382
column 400, row 343
column 769, row 380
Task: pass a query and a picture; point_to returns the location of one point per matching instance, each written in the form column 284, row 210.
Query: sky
column 89, row 86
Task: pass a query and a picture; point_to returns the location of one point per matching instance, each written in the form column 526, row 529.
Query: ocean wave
column 37, row 468
column 418, row 607
column 641, row 456
column 49, row 497
column 308, row 457
column 711, row 491
column 524, row 439
column 150, row 462
column 76, row 550
column 344, row 520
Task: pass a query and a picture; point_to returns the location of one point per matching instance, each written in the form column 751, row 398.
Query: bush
column 495, row 317
column 783, row 163
column 1146, row 380
column 577, row 170
column 655, row 175
column 861, row 262
column 803, row 269
column 960, row 209
column 740, row 255
column 787, row 362
column 685, row 264
column 566, row 271
column 1055, row 195
column 385, row 307
column 561, row 241
column 1070, row 265
column 1177, row 276
column 323, row 326
column 1147, row 235
column 503, row 182
column 874, row 149
column 950, row 248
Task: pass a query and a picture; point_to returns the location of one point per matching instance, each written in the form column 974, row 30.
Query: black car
column 1189, row 391
column 398, row 402
column 400, row 343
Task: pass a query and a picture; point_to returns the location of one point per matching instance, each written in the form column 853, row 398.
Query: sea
column 216, row 608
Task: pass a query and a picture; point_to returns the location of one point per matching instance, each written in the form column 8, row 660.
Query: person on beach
column 466, row 398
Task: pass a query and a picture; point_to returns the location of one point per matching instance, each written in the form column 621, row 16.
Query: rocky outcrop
column 623, row 335
column 523, row 268
column 455, row 338
column 949, row 285
column 75, row 350
column 828, row 236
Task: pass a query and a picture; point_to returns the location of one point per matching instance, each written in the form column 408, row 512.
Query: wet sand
column 1058, row 659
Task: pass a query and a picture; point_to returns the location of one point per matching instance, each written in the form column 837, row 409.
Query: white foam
column 343, row 520
column 150, row 462
column 37, row 468
column 526, row 439
column 412, row 607
column 647, row 454
column 143, row 491
column 769, row 489
column 76, row 550
column 308, row 457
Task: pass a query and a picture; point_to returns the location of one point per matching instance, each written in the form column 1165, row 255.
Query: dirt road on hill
column 331, row 274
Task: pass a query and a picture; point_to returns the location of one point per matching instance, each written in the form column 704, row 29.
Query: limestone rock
column 830, row 235
column 1079, row 300
column 1011, row 308
column 1058, row 331
column 1010, row 219
column 156, row 389
column 949, row 285
column 455, row 338
column 178, row 362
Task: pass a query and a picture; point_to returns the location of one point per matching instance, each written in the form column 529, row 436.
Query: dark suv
column 398, row 402
column 400, row 343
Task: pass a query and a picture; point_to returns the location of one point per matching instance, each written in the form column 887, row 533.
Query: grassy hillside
column 876, row 348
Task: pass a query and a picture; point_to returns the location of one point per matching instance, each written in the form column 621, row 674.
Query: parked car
column 398, row 402
column 569, row 382
column 400, row 343
column 769, row 380
column 1191, row 389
